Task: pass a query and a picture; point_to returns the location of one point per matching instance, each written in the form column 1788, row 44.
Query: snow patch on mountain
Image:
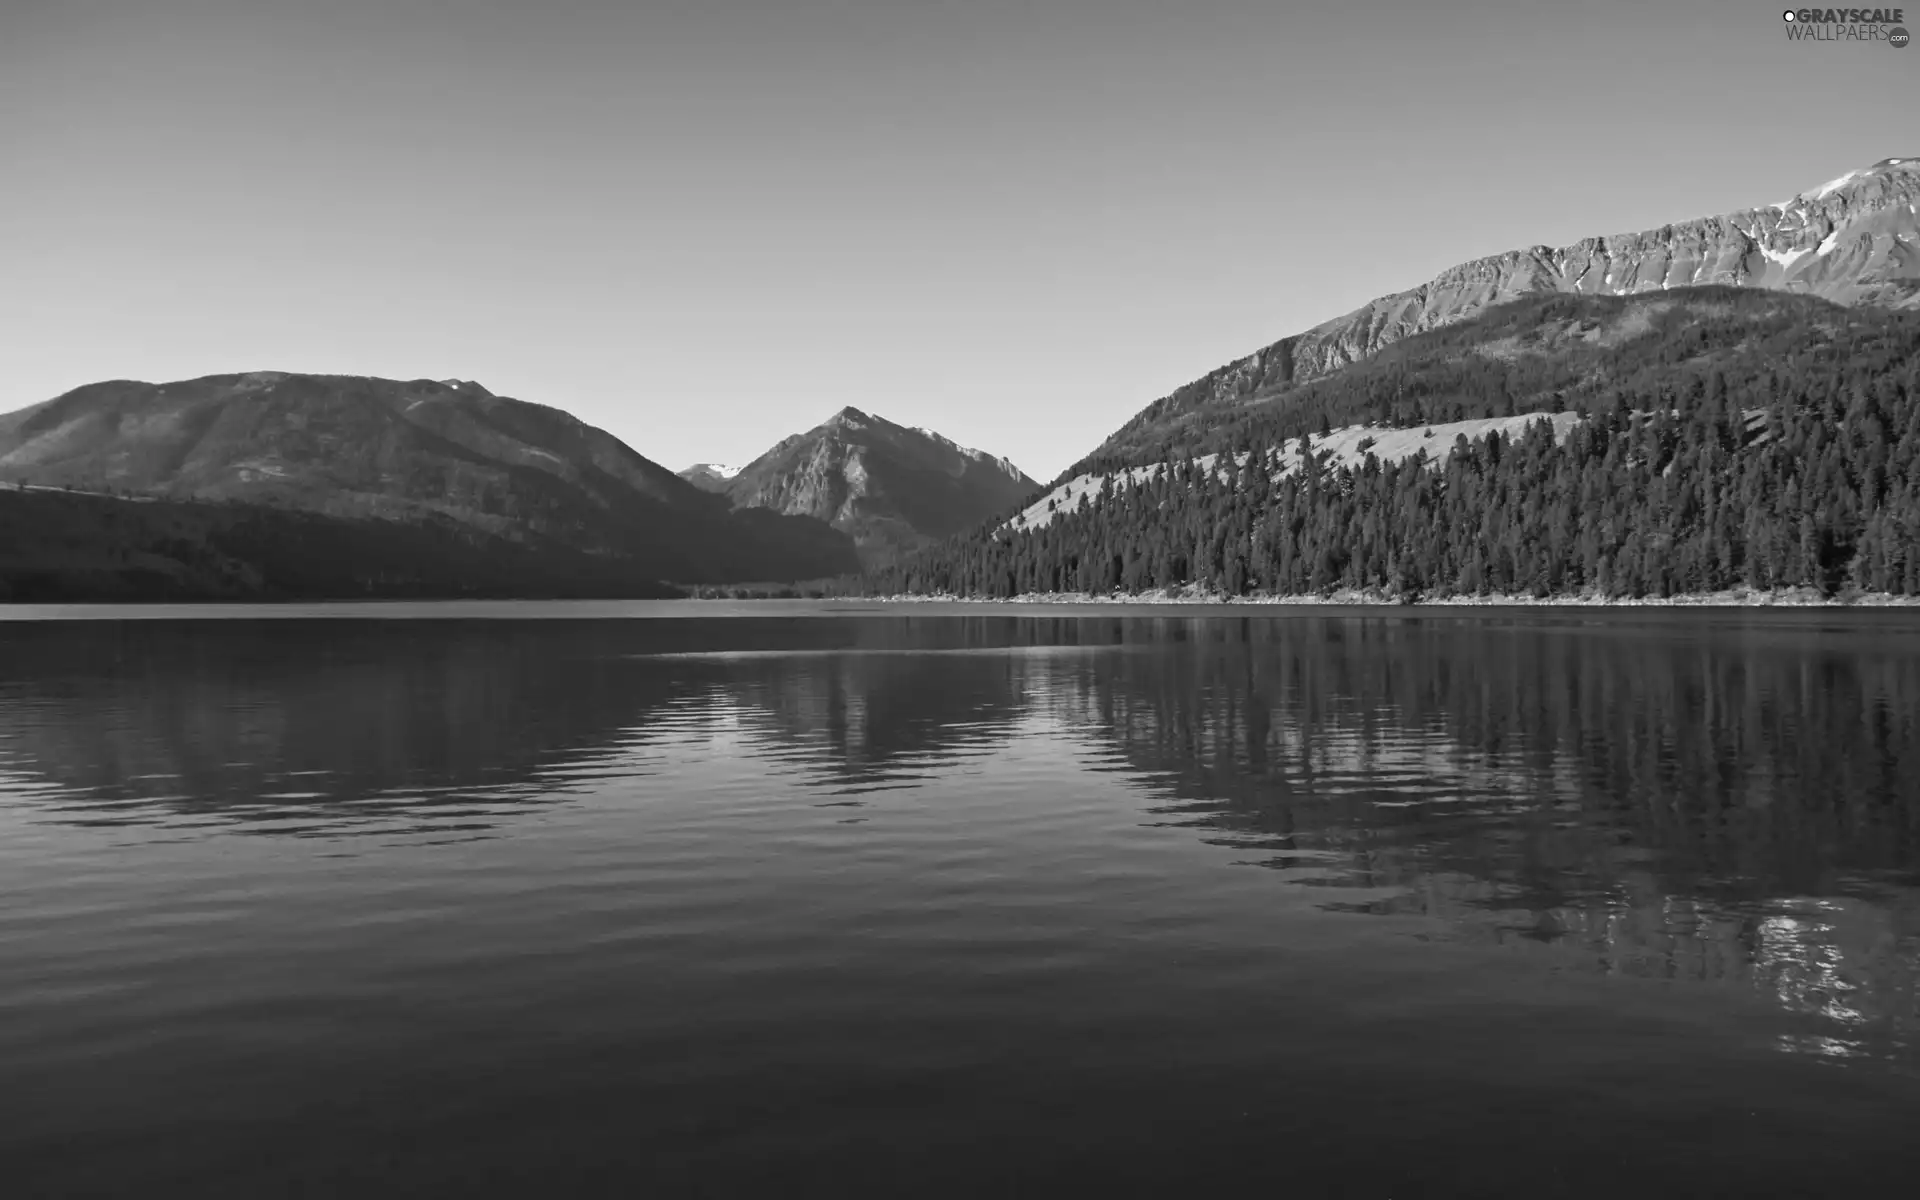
column 1786, row 258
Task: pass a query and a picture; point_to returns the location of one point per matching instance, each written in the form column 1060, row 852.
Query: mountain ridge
column 1854, row 240
column 365, row 447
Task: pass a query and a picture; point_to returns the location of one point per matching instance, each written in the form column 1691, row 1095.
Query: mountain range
column 893, row 489
column 444, row 455
column 1743, row 327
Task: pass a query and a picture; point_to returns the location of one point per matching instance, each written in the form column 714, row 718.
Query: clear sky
column 706, row 224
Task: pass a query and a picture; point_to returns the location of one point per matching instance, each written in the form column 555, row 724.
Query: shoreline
column 1164, row 602
column 1352, row 598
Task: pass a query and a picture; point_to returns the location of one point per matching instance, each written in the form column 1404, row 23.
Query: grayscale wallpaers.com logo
column 1847, row 25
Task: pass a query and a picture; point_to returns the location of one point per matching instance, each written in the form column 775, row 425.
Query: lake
column 571, row 900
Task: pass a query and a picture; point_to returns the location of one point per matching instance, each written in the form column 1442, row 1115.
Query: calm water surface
column 1378, row 905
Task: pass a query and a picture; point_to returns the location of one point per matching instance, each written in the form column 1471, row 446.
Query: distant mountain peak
column 709, row 477
column 892, row 487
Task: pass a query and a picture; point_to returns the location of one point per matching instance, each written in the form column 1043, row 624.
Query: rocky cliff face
column 891, row 487
column 415, row 450
column 1854, row 240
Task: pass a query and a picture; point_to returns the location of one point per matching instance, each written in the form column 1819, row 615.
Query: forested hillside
column 1727, row 439
column 60, row 546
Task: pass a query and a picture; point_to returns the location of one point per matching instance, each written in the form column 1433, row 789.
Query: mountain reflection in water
column 1718, row 804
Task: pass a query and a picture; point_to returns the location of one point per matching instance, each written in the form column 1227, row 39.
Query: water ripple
column 574, row 864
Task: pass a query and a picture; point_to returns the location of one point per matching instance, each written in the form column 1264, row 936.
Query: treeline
column 1665, row 488
column 59, row 546
column 813, row 590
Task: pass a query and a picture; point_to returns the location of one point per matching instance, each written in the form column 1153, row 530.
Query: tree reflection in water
column 1727, row 801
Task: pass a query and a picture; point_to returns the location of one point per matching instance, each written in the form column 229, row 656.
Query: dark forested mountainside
column 62, row 546
column 1717, row 450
